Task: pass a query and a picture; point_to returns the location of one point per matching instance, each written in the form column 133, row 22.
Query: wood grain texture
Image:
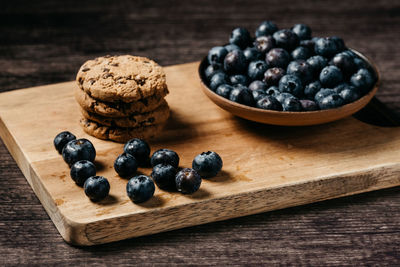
column 46, row 42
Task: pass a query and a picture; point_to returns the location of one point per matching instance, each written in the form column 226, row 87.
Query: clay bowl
column 287, row 118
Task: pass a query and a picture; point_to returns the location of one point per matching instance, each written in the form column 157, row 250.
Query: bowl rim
column 370, row 94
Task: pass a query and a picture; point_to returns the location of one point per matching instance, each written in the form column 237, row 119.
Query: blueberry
column 81, row 171
column 231, row 47
column 311, row 89
column 308, row 105
column 79, row 149
column 258, row 94
column 282, row 96
column 207, row 164
column 62, row 139
column 303, row 31
column 217, row 55
column 301, row 69
column 266, row 28
column 286, row 39
column 324, row 92
column 139, row 149
column 291, row 104
column 291, row 84
column 240, row 37
column 350, row 94
column 363, row 80
column 331, row 101
column 301, row 53
column 165, row 156
column 317, row 63
column 258, row 85
column 235, row 62
column 252, row 54
column 224, row 90
column 309, row 44
column 217, row 79
column 211, row 70
column 339, row 43
column 345, row 62
column 187, row 181
column 361, row 64
column 242, row 95
column 273, row 75
column 125, row 165
column 256, row 69
column 326, row 47
column 277, row 57
column 164, row 175
column 264, row 43
column 341, row 87
column 239, row 79
column 330, row 76
column 140, row 188
column 269, row 102
column 96, row 188
column 273, row 90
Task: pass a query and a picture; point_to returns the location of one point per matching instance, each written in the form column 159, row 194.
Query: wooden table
column 47, row 42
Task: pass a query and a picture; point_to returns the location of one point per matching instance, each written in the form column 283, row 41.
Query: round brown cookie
column 117, row 134
column 121, row 78
column 121, row 109
column 157, row 116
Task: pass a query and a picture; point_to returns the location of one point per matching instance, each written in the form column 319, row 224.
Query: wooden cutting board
column 265, row 167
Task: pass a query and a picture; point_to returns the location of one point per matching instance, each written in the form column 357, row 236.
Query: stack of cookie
column 122, row 97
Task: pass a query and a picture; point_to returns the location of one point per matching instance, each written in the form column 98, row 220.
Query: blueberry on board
column 273, row 90
column 301, row 69
column 331, row 101
column 326, row 47
column 277, row 57
column 211, row 70
column 308, row 105
column 140, row 188
column 303, row 31
column 258, row 94
column 187, row 181
column 339, row 43
column 264, row 43
column 139, row 149
column 309, row 44
column 350, row 94
column 301, row 52
column 324, row 92
column 125, row 165
column 363, row 80
column 252, row 54
column 282, row 96
column 235, row 62
column 317, row 63
column 207, row 164
column 240, row 37
column 239, row 79
column 311, row 89
column 81, row 171
column 258, row 85
column 273, row 75
column 62, row 139
column 291, row 104
column 242, row 95
column 286, row 39
column 269, row 102
column 164, row 175
column 217, row 79
column 345, row 62
column 231, row 47
column 78, row 149
column 256, row 69
column 224, row 90
column 216, row 55
column 165, row 156
column 330, row 76
column 96, row 188
column 291, row 84
column 266, row 28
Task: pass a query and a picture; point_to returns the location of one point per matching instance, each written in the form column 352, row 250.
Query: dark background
column 46, row 42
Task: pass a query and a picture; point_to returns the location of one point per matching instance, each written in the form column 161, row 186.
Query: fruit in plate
column 269, row 102
column 273, row 75
column 291, row 84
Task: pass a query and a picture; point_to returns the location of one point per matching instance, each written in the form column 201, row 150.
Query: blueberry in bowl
column 289, row 61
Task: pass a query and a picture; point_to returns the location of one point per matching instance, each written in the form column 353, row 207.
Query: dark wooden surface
column 43, row 42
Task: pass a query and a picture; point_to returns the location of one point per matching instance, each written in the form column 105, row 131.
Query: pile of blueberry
column 287, row 70
column 80, row 154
